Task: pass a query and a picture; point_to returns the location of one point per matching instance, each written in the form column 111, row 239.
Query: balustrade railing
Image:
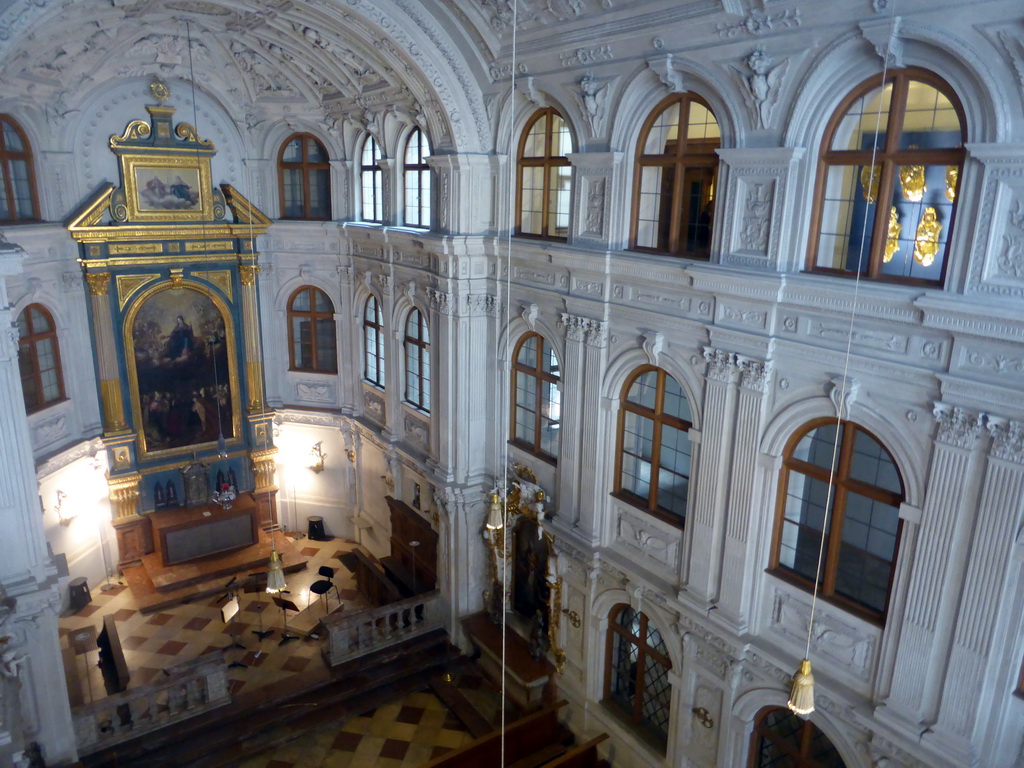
column 351, row 635
column 192, row 688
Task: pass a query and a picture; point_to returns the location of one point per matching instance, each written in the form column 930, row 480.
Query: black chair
column 323, row 586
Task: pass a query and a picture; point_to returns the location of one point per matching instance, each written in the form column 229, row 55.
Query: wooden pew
column 583, row 756
column 529, row 742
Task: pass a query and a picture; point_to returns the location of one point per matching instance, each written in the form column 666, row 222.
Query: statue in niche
column 172, row 495
column 159, row 500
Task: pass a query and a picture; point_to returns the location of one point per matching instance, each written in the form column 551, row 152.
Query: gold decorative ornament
column 912, row 182
column 574, row 619
column 248, row 273
column 99, row 283
column 926, row 244
column 801, row 696
column 161, row 92
column 869, row 178
column 127, row 285
column 124, row 494
column 952, row 174
column 892, row 242
column 177, row 278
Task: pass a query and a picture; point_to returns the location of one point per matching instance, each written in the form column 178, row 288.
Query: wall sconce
column 318, row 455
column 65, row 520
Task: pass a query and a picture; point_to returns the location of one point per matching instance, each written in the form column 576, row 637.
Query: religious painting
column 167, row 189
column 530, row 591
column 181, row 364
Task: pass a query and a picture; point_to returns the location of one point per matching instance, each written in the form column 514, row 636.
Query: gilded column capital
column 248, row 273
column 99, row 283
column 124, row 494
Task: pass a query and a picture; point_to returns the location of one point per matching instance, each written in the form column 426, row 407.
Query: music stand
column 228, row 613
column 257, row 583
column 285, row 605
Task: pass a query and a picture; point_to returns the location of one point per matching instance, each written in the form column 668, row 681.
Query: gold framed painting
column 182, row 370
column 168, row 188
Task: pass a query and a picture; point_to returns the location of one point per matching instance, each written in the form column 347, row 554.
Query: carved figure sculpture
column 926, row 244
column 762, row 85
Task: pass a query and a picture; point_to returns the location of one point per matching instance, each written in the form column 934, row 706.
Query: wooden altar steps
column 156, row 586
column 272, row 717
column 532, row 741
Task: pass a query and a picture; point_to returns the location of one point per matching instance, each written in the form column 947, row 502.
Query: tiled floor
column 406, row 732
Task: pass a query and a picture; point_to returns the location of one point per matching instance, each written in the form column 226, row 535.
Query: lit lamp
column 318, row 455
column 801, row 695
column 65, row 520
column 275, row 571
column 494, row 518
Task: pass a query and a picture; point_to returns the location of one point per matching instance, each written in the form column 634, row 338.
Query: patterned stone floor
column 406, row 732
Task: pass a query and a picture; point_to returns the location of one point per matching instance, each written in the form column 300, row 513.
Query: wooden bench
column 535, row 737
column 583, row 756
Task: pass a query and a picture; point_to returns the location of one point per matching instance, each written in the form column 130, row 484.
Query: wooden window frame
column 377, row 353
column 416, row 170
column 842, row 484
column 681, row 160
column 889, row 158
column 546, row 162
column 649, row 505
column 304, row 166
column 635, row 718
column 800, row 758
column 30, row 343
column 538, row 373
column 7, row 188
column 312, row 315
column 376, row 173
column 424, row 350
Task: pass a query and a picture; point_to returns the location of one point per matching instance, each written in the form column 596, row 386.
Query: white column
column 988, row 565
column 465, row 193
column 594, row 453
column 706, row 513
column 444, row 381
column 27, row 573
column 745, row 493
column 574, row 382
column 939, row 562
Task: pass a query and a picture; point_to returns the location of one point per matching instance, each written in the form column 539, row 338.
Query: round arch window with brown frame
column 312, row 333
column 536, row 408
column 19, row 199
column 782, row 738
column 887, row 212
column 304, row 178
column 543, row 192
column 674, row 183
column 636, row 681
column 42, row 379
column 863, row 528
column 653, row 459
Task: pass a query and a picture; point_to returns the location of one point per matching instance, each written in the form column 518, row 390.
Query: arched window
column 312, row 335
column 39, row 358
column 373, row 342
column 674, row 187
column 636, row 673
column 888, row 177
column 654, row 447
column 536, row 398
column 782, row 738
column 18, row 198
column 863, row 528
column 417, row 181
column 417, row 362
column 372, row 179
column 545, row 177
column 304, row 178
